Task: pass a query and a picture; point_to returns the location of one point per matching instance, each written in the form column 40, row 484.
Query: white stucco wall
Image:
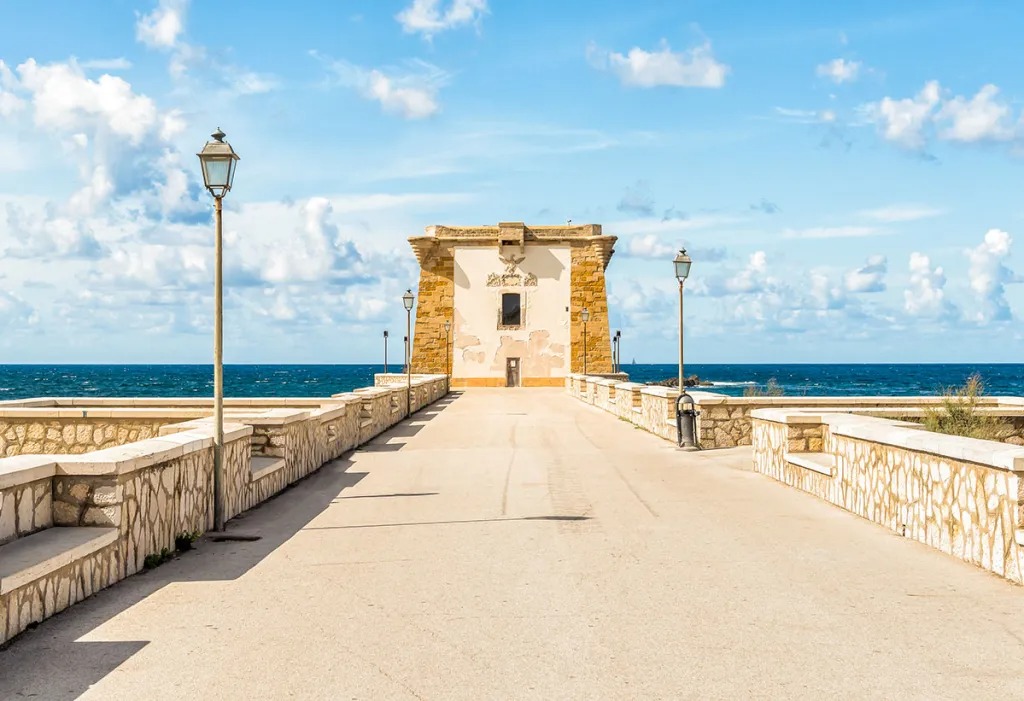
column 542, row 344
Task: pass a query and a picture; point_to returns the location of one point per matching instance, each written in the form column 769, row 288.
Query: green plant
column 183, row 541
column 958, row 415
column 771, row 389
column 156, row 559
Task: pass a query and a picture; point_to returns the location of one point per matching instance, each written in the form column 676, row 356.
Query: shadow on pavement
column 49, row 662
column 447, row 523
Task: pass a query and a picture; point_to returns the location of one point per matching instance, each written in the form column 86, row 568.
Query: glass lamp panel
column 586, row 315
column 232, row 167
column 216, row 172
column 683, row 269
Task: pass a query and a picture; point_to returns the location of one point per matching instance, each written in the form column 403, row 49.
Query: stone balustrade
column 725, row 422
column 73, row 522
column 960, row 495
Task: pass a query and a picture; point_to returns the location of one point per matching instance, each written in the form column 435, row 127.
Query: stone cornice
column 440, row 239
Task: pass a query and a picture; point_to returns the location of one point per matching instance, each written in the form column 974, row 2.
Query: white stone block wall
column 24, row 509
column 63, row 436
column 150, row 492
column 959, row 495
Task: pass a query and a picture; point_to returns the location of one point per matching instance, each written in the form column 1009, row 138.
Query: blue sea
column 21, row 381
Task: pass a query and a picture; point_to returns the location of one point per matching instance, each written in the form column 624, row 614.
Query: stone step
column 824, row 463
column 262, row 466
column 35, row 556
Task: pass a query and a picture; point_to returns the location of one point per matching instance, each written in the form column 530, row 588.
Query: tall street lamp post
column 385, row 352
column 682, row 264
column 618, row 351
column 585, row 315
column 447, row 353
column 407, row 300
column 218, row 161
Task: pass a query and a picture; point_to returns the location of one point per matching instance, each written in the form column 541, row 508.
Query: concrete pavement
column 516, row 544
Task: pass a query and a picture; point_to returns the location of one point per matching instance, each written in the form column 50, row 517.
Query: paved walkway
column 515, row 544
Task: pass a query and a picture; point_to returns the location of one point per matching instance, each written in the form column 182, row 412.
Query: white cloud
column 9, row 102
column 409, row 101
column 161, row 28
column 909, row 122
column 64, row 98
column 48, row 235
column 839, row 70
column 649, row 246
column 904, row 121
column 869, row 277
column 753, row 278
column 981, row 118
column 243, row 82
column 426, row 17
column 692, row 68
column 15, row 312
column 410, row 92
column 989, row 275
column 831, row 232
column 925, row 295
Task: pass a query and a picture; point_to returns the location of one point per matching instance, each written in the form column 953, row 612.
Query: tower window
column 511, row 309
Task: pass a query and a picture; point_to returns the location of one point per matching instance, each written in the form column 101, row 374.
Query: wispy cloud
column 832, row 232
column 410, row 91
column 902, row 213
column 106, row 64
column 637, row 199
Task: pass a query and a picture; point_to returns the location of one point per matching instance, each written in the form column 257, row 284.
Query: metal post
column 447, row 356
column 408, row 362
column 584, row 348
column 682, row 386
column 218, row 376
column 385, row 352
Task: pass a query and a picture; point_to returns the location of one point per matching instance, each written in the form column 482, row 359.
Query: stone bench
column 44, row 573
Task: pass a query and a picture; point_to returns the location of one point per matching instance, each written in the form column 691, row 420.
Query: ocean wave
column 745, row 383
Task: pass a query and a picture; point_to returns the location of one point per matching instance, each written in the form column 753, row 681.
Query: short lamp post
column 682, row 265
column 618, row 351
column 585, row 315
column 407, row 300
column 447, row 352
column 385, row 352
column 218, row 161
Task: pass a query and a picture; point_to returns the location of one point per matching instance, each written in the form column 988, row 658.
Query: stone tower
column 513, row 294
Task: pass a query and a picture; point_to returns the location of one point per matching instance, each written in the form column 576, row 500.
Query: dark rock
column 691, row 381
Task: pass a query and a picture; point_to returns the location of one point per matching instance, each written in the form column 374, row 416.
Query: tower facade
column 514, row 296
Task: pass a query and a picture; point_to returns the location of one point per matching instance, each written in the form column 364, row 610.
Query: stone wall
column 122, row 503
column 587, row 290
column 725, row 422
column 63, row 436
column 24, row 508
column 959, row 495
column 435, row 305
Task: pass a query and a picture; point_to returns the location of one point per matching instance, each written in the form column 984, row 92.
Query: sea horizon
column 26, row 380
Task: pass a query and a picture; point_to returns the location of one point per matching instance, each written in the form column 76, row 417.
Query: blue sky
column 847, row 176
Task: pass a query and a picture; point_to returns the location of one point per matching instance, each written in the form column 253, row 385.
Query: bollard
column 686, row 422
